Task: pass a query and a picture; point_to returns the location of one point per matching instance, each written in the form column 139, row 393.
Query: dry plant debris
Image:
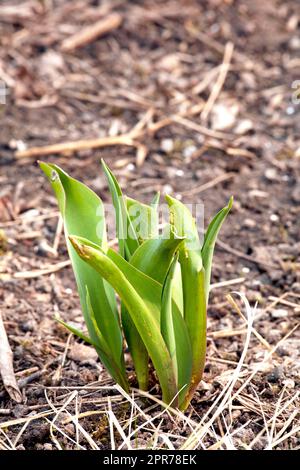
column 138, row 94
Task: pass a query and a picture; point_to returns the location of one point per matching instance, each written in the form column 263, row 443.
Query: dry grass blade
column 92, row 32
column 219, row 82
column 6, row 366
column 225, row 397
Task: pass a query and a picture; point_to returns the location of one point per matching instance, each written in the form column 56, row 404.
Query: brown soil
column 154, row 60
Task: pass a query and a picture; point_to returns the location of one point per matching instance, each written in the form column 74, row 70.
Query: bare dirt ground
column 209, row 122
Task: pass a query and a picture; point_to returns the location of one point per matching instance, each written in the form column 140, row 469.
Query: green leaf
column 144, row 219
column 151, row 292
column 154, row 256
column 210, row 241
column 140, row 313
column 193, row 288
column 103, row 354
column 176, row 336
column 139, row 353
column 128, row 243
column 83, row 215
column 155, row 201
column 105, row 351
column 128, row 240
column 194, row 300
column 166, row 319
column 77, row 332
column 183, row 223
column 184, row 354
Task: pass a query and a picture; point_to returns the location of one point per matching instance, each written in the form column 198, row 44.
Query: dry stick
column 209, row 184
column 220, row 81
column 124, row 139
column 91, row 32
column 129, row 139
column 285, row 302
column 230, row 282
column 26, row 380
column 240, row 254
column 201, row 129
column 6, row 366
column 70, row 147
column 41, row 272
column 203, row 84
column 59, row 230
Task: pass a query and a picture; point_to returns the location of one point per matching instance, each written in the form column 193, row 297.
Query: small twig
column 41, row 272
column 70, row 147
column 201, row 129
column 30, row 378
column 92, row 32
column 230, row 282
column 59, row 230
column 220, row 81
column 57, row 374
column 240, row 254
column 22, row 383
column 279, row 300
column 210, row 184
column 6, row 366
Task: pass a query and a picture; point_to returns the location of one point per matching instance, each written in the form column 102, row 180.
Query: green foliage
column 162, row 281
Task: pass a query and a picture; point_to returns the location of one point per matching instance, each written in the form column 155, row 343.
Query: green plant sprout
column 161, row 279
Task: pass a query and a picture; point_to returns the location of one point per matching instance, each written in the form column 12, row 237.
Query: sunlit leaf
column 83, row 214
column 140, row 313
column 210, row 241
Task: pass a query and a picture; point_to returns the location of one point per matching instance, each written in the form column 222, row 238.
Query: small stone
column 169, row 62
column 167, row 189
column 17, row 145
column 167, row 145
column 271, row 174
column 20, row 411
column 48, row 446
column 296, row 287
column 244, row 126
column 29, row 325
column 173, row 172
column 245, row 270
column 292, row 23
column 223, row 116
column 296, row 194
column 275, row 376
column 289, row 383
column 294, row 43
column 275, row 275
column 290, row 110
column 82, row 353
column 279, row 313
column 99, row 183
column 250, row 223
column 130, row 167
column 274, row 218
column 274, row 336
column 70, row 429
column 188, row 151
